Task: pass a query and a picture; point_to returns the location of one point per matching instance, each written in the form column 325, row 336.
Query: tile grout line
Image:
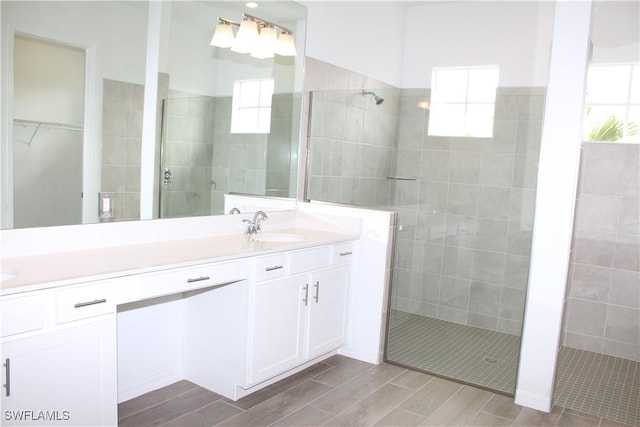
column 155, row 404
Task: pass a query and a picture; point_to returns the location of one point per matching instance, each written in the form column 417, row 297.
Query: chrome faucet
column 259, row 216
column 234, row 211
column 254, row 226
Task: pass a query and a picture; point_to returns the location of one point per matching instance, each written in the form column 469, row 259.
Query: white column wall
column 555, row 204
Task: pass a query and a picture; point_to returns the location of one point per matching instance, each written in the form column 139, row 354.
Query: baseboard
column 534, row 401
column 150, row 384
column 365, row 356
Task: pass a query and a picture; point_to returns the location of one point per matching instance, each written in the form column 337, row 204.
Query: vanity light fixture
column 247, row 36
column 266, row 44
column 286, row 46
column 223, row 36
column 255, row 36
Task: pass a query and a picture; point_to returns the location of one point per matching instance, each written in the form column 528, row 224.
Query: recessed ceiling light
column 252, row 5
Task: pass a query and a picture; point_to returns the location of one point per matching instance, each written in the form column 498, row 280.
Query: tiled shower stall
column 465, row 205
column 602, row 312
column 204, row 159
column 465, row 218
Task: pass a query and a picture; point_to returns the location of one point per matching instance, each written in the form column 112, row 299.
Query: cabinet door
column 326, row 325
column 65, row 377
column 275, row 327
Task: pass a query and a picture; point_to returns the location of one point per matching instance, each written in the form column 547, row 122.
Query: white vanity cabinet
column 59, row 357
column 70, row 353
column 297, row 309
column 276, row 321
column 327, row 310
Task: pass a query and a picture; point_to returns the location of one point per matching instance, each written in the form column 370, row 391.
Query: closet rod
column 49, row 125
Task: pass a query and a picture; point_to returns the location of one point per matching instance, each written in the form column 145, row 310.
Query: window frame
column 263, row 106
column 627, row 105
column 466, row 103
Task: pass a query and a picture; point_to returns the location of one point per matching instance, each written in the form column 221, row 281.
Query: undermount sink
column 5, row 275
column 279, row 237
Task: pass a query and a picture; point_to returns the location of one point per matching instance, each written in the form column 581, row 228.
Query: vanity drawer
column 270, row 267
column 177, row 280
column 21, row 314
column 342, row 253
column 81, row 302
column 309, row 259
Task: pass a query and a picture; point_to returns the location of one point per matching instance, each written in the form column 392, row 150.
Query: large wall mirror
column 124, row 110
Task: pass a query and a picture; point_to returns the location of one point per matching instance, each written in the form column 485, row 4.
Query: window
column 251, row 106
column 613, row 103
column 463, row 101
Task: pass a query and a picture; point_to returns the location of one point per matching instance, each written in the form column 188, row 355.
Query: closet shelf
column 46, row 125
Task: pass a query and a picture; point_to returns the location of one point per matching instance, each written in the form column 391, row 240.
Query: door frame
column 91, row 134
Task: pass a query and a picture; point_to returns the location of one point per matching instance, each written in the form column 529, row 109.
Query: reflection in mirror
column 56, row 56
column 199, row 157
column 47, row 133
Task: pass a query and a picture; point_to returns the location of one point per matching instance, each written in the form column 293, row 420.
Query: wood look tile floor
column 344, row 392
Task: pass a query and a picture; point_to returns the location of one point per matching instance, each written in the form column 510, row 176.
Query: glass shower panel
column 465, row 203
column 352, row 142
column 465, row 218
column 186, row 167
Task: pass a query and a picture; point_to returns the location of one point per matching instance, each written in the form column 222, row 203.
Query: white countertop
column 66, row 268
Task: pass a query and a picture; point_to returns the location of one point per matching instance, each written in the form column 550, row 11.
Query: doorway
column 47, row 148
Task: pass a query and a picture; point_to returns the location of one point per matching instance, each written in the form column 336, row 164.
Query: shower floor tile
column 465, row 353
column 598, row 384
column 591, row 383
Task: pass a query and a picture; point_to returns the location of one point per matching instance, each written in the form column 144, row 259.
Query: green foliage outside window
column 611, row 130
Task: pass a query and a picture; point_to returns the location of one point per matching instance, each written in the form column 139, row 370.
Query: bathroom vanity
column 250, row 310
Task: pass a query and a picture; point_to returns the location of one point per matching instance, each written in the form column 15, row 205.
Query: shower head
column 379, row 99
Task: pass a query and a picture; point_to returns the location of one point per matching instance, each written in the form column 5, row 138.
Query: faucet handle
column 251, row 227
column 257, row 218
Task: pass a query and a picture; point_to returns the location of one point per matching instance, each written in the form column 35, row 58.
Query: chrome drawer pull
column 7, row 372
column 346, row 253
column 306, row 294
column 198, row 279
column 275, row 267
column 84, row 304
column 317, row 286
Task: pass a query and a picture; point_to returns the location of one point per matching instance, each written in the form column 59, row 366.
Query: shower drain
column 490, row 360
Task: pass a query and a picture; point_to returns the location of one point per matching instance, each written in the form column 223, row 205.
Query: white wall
column 116, row 28
column 516, row 36
column 54, row 93
column 400, row 42
column 365, row 37
column 615, row 32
